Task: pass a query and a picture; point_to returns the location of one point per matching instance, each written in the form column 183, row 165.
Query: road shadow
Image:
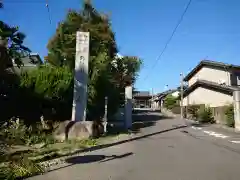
column 103, row 146
column 141, row 120
column 91, row 159
column 148, row 119
column 95, row 158
column 103, row 158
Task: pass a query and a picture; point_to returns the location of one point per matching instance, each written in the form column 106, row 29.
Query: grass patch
column 19, row 167
column 24, row 163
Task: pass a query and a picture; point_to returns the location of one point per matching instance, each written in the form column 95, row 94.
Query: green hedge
column 44, row 91
column 170, row 101
column 229, row 113
column 205, row 115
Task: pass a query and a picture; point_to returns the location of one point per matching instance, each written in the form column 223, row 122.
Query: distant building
column 159, row 98
column 142, row 99
column 29, row 62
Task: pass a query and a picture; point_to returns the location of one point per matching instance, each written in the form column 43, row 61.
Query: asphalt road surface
column 165, row 149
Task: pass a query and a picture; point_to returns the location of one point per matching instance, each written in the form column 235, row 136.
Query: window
column 238, row 80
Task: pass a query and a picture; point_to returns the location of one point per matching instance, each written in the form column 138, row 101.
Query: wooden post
column 181, row 104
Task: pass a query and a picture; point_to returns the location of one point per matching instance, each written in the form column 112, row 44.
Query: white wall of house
column 211, row 74
column 208, row 97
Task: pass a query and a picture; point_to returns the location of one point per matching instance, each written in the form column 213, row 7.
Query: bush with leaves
column 108, row 74
column 192, row 110
column 51, row 89
column 50, row 82
column 229, row 113
column 17, row 133
column 48, row 90
column 170, row 101
column 11, row 46
column 14, row 132
column 205, row 115
column 19, row 167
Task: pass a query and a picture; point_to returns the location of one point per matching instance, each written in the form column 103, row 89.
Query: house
column 29, row 62
column 211, row 83
column 159, row 98
column 141, row 99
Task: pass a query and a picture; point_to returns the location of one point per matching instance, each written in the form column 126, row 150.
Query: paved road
column 166, row 150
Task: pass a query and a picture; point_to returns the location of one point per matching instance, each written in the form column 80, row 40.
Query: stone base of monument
column 78, row 130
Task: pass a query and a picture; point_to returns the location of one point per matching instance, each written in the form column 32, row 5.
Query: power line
column 29, row 1
column 49, row 16
column 169, row 40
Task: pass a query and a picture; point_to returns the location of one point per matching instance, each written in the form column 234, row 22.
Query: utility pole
column 236, row 105
column 181, row 104
column 152, row 100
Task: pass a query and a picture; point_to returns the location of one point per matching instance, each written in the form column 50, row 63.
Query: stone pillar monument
column 105, row 115
column 81, row 76
column 236, row 104
column 128, row 107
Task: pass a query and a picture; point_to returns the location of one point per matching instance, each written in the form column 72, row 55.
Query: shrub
column 51, row 91
column 193, row 111
column 17, row 133
column 19, row 167
column 14, row 132
column 170, row 101
column 205, row 115
column 229, row 113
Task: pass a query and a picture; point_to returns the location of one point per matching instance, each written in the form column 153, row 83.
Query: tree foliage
column 11, row 46
column 50, row 89
column 49, row 82
column 108, row 74
column 170, row 101
column 229, row 113
column 62, row 46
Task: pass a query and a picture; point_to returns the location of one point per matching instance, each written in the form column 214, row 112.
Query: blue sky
column 209, row 29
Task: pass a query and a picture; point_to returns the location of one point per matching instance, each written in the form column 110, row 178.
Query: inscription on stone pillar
column 81, row 76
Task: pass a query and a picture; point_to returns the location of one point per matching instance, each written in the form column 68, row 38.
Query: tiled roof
column 210, row 85
column 141, row 93
column 210, row 63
